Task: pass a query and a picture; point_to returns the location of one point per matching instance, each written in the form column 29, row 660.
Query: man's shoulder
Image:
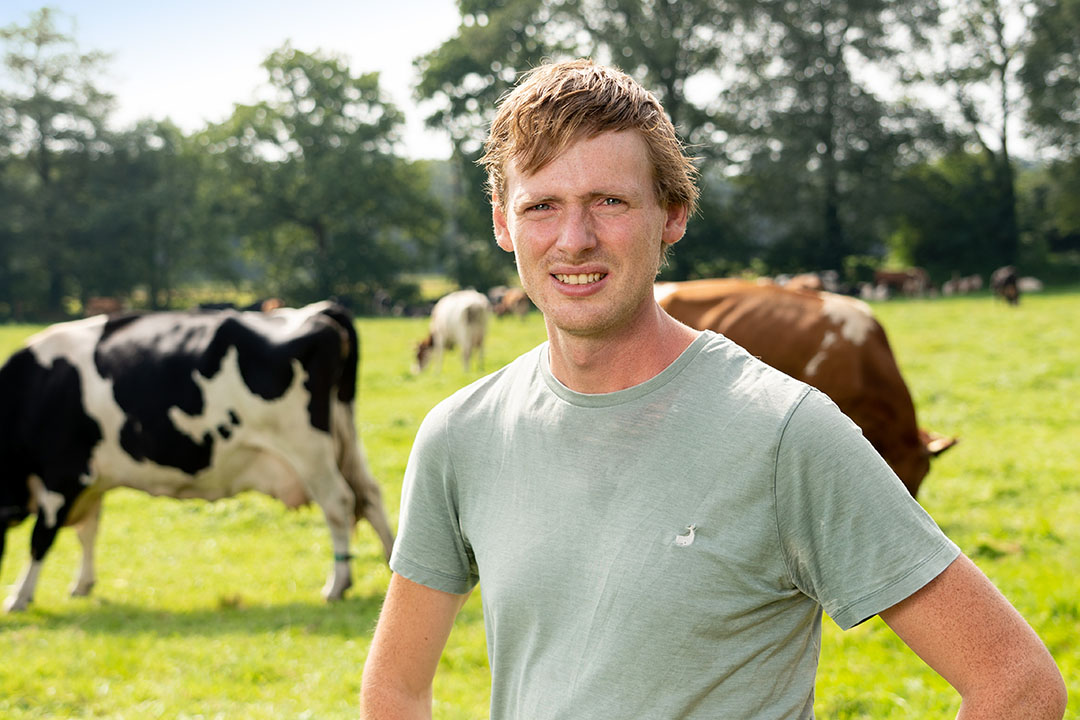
column 743, row 377
column 492, row 391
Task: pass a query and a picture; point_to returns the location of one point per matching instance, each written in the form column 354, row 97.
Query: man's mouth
column 580, row 278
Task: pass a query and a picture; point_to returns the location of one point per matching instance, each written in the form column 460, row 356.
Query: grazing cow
column 459, row 318
column 1029, row 285
column 911, row 282
column 961, row 285
column 805, row 281
column 103, row 306
column 201, row 404
column 265, row 305
column 1004, row 283
column 515, row 301
column 829, row 341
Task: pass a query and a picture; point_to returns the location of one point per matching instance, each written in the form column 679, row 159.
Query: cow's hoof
column 81, row 589
column 15, row 604
column 333, row 592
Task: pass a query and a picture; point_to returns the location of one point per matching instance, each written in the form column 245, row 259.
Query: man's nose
column 577, row 233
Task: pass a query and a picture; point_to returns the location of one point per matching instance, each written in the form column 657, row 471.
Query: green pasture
column 212, row 610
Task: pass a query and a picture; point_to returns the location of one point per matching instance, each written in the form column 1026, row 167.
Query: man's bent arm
column 409, row 639
column 966, row 630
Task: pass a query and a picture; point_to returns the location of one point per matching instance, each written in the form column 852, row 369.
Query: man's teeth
column 579, row 279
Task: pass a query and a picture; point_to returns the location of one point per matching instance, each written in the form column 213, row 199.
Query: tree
column 153, row 224
column 1051, row 78
column 817, row 139
column 329, row 208
column 53, row 119
column 1051, row 75
column 979, row 60
column 945, row 215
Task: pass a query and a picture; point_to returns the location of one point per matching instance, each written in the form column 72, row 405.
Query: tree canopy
column 829, row 136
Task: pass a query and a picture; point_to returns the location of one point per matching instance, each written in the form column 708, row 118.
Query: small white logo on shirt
column 688, row 538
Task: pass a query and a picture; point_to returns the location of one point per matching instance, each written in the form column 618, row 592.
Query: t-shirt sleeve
column 853, row 537
column 429, row 548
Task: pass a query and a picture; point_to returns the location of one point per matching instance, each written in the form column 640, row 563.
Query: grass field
column 212, row 610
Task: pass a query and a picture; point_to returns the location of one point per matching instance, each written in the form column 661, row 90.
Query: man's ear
column 498, row 221
column 675, row 223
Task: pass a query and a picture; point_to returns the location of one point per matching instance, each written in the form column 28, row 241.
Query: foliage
column 981, row 57
column 943, row 224
column 1051, row 74
column 217, row 610
column 336, row 212
column 52, row 119
column 818, row 127
column 816, row 143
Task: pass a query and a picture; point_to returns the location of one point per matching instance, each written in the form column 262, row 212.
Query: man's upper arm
column 966, row 630
column 413, row 627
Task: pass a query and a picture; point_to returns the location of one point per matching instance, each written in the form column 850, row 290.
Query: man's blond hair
column 557, row 104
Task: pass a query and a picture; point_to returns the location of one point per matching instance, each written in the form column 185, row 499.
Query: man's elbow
column 1036, row 691
column 382, row 700
column 1046, row 691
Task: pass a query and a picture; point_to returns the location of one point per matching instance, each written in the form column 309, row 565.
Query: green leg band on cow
column 343, row 558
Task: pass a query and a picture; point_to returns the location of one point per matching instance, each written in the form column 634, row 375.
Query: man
column 657, row 518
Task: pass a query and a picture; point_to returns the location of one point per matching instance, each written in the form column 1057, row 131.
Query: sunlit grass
column 213, row 609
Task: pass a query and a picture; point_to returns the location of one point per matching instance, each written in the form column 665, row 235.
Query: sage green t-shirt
column 664, row 551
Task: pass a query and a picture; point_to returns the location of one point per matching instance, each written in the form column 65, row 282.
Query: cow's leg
column 41, row 540
column 369, row 497
column 466, row 354
column 376, row 515
column 338, row 521
column 353, row 464
column 87, row 529
column 332, row 494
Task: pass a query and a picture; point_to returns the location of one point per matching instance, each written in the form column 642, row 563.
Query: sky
column 192, row 61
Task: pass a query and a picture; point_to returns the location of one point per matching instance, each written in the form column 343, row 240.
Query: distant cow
column 515, row 301
column 911, row 282
column 458, row 319
column 103, row 306
column 1029, row 285
column 805, row 281
column 201, row 404
column 829, row 341
column 961, row 285
column 1004, row 283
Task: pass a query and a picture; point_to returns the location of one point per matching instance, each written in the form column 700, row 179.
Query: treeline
column 831, row 135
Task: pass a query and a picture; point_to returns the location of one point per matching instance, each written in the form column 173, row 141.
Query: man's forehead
column 620, row 154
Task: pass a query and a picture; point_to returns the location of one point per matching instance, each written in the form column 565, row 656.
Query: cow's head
column 423, row 353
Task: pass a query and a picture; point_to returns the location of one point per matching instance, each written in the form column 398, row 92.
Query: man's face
column 587, row 231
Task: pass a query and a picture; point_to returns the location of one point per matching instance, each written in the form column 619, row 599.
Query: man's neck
column 619, row 359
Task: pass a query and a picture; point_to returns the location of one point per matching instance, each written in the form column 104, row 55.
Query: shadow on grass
column 348, row 618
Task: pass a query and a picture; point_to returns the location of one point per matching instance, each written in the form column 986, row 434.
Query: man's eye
column 539, row 206
column 612, row 201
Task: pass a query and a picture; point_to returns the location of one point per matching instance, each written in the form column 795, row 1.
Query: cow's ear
column 498, row 221
column 675, row 223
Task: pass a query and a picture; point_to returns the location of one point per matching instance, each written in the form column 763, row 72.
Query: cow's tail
column 350, row 349
column 14, row 491
column 353, row 464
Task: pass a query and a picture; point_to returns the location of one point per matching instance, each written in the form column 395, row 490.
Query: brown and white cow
column 201, row 404
column 513, row 300
column 459, row 319
column 830, row 341
column 910, row 282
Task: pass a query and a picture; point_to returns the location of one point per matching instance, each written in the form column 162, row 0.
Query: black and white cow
column 202, row 404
